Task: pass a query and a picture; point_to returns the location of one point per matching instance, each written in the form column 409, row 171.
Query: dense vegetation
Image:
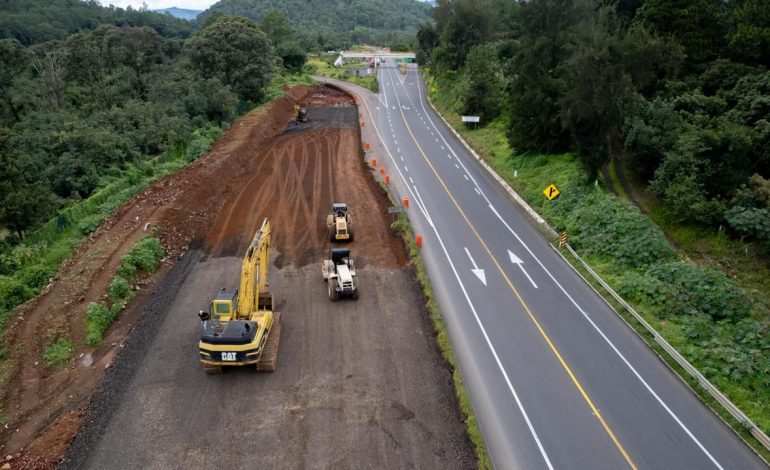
column 36, row 21
column 677, row 92
column 90, row 119
column 325, row 25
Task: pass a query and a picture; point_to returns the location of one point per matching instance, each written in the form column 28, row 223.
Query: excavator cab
column 224, row 306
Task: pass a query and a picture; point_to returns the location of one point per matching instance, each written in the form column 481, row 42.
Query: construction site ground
column 359, row 384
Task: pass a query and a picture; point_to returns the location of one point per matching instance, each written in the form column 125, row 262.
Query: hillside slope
column 334, row 16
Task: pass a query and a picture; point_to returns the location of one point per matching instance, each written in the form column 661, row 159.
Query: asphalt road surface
column 556, row 379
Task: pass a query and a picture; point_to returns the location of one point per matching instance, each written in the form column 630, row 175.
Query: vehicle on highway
column 339, row 272
column 243, row 329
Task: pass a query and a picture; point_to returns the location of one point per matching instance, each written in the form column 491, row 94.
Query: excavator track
column 211, row 370
column 270, row 354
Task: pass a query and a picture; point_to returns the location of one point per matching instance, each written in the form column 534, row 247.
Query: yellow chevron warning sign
column 551, row 192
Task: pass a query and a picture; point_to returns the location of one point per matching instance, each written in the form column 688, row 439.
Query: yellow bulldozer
column 243, row 329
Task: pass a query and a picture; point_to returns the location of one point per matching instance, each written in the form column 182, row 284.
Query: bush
column 98, row 318
column 145, row 255
column 679, row 289
column 119, row 289
column 58, row 353
column 603, row 225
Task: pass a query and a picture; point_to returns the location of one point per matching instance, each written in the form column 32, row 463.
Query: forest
column 668, row 100
column 90, row 118
column 675, row 91
column 325, row 25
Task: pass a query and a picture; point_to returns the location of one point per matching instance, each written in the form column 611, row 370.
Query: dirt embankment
column 183, row 205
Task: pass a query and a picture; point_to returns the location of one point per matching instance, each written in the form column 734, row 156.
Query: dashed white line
column 457, row 166
column 406, row 168
column 410, row 179
column 477, row 191
column 442, row 148
column 466, row 176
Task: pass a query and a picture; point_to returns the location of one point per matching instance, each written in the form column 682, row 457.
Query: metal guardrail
column 729, row 406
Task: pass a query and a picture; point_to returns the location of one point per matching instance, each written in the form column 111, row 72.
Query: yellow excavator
column 243, row 329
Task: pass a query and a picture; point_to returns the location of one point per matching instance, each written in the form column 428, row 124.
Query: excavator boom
column 254, row 272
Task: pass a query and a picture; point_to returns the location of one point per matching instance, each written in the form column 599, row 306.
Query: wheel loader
column 339, row 223
column 243, row 329
column 340, row 274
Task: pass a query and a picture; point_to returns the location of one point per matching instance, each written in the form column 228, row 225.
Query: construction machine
column 339, row 223
column 340, row 274
column 300, row 114
column 243, row 329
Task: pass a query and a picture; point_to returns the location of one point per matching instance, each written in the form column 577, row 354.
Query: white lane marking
column 465, row 176
column 517, row 261
column 610, row 343
column 477, row 191
column 442, row 148
column 478, row 272
column 406, row 168
column 436, row 140
column 457, row 166
column 398, row 150
column 395, row 141
column 401, row 157
column 449, row 156
column 411, row 180
column 431, row 133
column 483, row 330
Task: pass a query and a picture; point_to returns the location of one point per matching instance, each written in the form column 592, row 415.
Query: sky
column 156, row 4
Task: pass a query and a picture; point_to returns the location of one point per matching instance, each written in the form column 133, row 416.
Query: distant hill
column 35, row 21
column 181, row 13
column 340, row 21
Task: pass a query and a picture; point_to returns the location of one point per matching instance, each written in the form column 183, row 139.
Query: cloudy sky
column 155, row 4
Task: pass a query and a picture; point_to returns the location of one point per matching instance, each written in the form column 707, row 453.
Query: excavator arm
column 254, row 272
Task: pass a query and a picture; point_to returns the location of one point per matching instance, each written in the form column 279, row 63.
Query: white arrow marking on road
column 478, row 272
column 516, row 260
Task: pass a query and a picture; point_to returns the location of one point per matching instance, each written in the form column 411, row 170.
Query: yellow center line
column 520, row 299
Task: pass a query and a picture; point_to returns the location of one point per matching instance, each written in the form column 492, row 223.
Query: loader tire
column 333, row 294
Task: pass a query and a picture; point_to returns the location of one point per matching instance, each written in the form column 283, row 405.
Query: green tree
column 277, row 28
column 25, row 200
column 15, row 60
column 750, row 39
column 536, row 75
column 427, row 40
column 237, row 52
column 292, row 55
column 483, row 96
column 699, row 25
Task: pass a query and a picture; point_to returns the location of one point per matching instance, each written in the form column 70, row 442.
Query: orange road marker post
column 418, row 240
column 405, row 201
column 382, row 170
column 387, row 179
column 374, row 163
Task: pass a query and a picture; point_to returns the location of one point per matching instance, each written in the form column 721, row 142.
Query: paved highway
column 556, row 379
